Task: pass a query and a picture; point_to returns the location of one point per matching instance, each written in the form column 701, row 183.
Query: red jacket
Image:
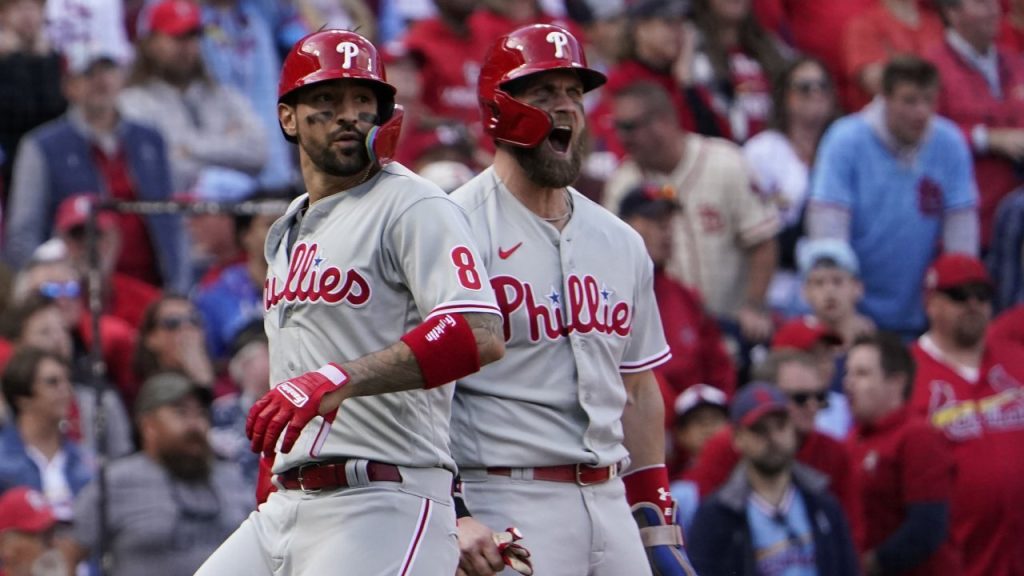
column 966, row 100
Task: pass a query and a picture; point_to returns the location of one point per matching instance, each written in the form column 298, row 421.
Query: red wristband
column 651, row 485
column 445, row 349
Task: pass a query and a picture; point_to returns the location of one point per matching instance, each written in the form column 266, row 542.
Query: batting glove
column 290, row 406
column 516, row 556
column 662, row 540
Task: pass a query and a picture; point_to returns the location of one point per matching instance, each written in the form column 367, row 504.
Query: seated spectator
column 983, row 93
column 699, row 414
column 725, row 234
column 37, row 322
column 1006, row 253
column 123, row 296
column 797, row 376
column 905, row 472
column 891, row 28
column 212, row 236
column 895, row 181
column 27, row 528
column 781, row 158
column 773, row 516
column 232, row 301
column 735, row 61
column 91, row 149
column 973, row 391
column 171, row 339
column 175, row 503
column 35, row 451
column 30, row 67
column 204, row 123
column 698, row 353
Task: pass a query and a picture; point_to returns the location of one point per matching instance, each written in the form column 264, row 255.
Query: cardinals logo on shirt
column 309, row 280
column 589, row 307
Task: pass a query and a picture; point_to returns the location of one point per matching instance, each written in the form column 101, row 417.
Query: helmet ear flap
column 517, row 123
column 382, row 141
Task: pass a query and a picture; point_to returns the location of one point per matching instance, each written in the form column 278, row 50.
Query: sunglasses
column 806, row 87
column 173, row 323
column 802, row 398
column 961, row 294
column 54, row 290
column 627, row 126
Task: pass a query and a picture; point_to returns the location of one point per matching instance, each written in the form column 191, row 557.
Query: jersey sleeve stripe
column 647, row 363
column 463, row 306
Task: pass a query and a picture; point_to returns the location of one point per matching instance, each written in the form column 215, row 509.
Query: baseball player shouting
column 541, row 437
column 375, row 299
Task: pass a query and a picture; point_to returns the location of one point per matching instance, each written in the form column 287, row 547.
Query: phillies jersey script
column 579, row 309
column 364, row 268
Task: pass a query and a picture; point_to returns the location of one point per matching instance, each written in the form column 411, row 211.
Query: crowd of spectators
column 830, row 193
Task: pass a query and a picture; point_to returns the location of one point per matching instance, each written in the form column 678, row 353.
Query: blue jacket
column 18, row 469
column 719, row 543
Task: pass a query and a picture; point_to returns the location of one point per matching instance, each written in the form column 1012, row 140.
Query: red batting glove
column 515, row 556
column 291, row 404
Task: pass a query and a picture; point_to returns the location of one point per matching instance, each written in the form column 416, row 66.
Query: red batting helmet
column 340, row 54
column 525, row 51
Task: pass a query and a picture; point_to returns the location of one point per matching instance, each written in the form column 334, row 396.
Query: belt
column 582, row 474
column 317, row 476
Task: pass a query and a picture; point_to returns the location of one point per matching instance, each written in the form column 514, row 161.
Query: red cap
column 74, row 211
column 952, row 270
column 800, row 335
column 171, row 17
column 25, row 510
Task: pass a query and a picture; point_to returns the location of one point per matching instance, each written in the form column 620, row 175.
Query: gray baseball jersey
column 579, row 310
column 364, row 268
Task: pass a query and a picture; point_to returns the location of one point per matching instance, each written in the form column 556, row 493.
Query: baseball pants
column 570, row 530
column 368, row 529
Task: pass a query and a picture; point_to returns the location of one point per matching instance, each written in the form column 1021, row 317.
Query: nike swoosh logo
column 504, row 254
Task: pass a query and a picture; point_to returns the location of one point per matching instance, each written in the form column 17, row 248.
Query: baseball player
column 375, row 299
column 542, row 437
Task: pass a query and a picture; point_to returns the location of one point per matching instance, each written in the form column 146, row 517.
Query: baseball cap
column 826, row 251
column 73, row 212
column 167, row 388
column 216, row 184
column 700, row 395
column 755, row 401
column 25, row 510
column 648, row 202
column 659, row 9
column 803, row 335
column 952, row 270
column 171, row 17
column 588, row 11
column 84, row 57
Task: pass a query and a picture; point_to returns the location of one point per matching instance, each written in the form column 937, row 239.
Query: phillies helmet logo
column 560, row 40
column 349, row 51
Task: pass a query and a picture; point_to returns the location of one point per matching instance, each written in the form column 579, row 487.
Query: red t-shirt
column 899, row 461
column 449, row 68
column 1008, row 327
column 984, row 418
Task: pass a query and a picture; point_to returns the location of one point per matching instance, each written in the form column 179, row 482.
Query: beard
column 545, row 169
column 189, row 460
column 970, row 330
column 333, row 162
column 771, row 466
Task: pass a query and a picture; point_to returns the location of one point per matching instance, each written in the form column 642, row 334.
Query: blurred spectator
column 496, row 18
column 213, row 239
column 699, row 413
column 773, row 516
column 894, row 181
column 1011, row 30
column 235, row 298
column 37, row 322
column 30, row 93
column 659, row 50
column 59, row 280
column 604, row 28
column 973, row 391
column 92, row 149
column 1008, row 326
column 174, row 502
column 983, row 92
column 698, row 353
column 338, row 14
column 736, row 61
column 833, row 416
column 725, row 234
column 797, row 376
column 35, row 451
column 204, row 122
column 904, row 468
column 892, row 28
column 27, row 535
column 250, row 373
column 99, row 24
column 448, row 175
column 781, row 157
column 238, row 49
column 171, row 339
column 832, row 287
column 123, row 296
column 1006, row 254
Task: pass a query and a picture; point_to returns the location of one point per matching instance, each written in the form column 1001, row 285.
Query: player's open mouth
column 560, row 138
